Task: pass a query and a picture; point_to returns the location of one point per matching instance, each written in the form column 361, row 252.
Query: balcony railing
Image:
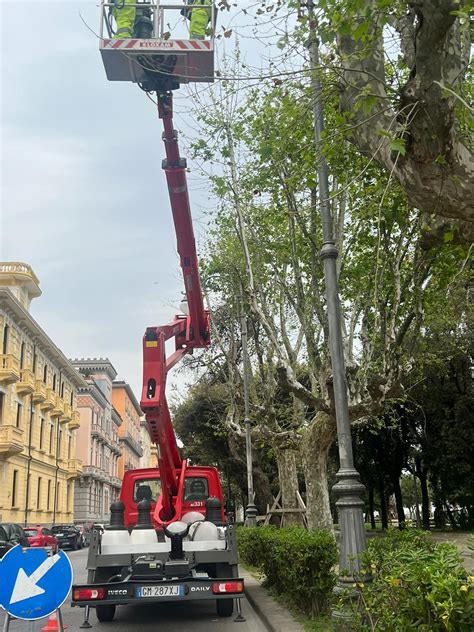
column 115, row 481
column 90, row 470
column 115, row 446
column 26, row 384
column 11, row 441
column 17, row 267
column 50, row 402
column 9, row 368
column 58, row 404
column 67, row 412
column 97, row 431
column 74, row 468
column 40, row 392
column 132, row 443
column 75, row 420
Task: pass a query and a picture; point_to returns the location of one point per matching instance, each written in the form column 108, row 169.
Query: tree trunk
column 315, row 447
column 383, row 505
column 439, row 515
column 451, row 517
column 425, row 502
column 288, row 479
column 262, row 490
column 371, row 508
column 435, row 168
column 417, row 503
column 397, row 490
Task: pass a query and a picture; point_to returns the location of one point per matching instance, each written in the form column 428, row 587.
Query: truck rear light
column 88, row 594
column 227, row 587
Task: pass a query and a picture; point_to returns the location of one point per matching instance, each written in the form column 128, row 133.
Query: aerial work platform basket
column 160, row 46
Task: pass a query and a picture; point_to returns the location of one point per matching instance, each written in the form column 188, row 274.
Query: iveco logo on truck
column 200, row 588
column 116, row 592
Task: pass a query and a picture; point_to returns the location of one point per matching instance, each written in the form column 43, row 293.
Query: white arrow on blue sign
column 32, row 584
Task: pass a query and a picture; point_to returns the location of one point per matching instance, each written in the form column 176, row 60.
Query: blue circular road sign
column 33, row 584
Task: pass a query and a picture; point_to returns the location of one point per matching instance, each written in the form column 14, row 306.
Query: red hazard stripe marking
column 181, row 44
column 194, row 44
column 117, row 44
column 131, row 43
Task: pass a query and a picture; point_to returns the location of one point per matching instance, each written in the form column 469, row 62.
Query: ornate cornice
column 20, row 314
column 95, row 365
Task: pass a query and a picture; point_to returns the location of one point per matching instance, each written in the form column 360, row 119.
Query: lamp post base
column 350, row 506
column 251, row 515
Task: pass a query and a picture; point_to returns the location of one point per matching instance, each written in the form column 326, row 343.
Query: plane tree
column 264, row 243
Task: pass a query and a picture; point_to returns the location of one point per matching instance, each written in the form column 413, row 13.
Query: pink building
column 98, row 444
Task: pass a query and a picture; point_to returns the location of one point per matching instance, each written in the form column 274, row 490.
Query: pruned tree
column 405, row 90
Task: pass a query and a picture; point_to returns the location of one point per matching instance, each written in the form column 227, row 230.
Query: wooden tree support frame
column 277, row 510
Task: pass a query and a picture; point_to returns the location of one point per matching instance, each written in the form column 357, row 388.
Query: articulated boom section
column 190, row 331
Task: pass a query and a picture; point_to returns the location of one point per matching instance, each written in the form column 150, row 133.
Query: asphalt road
column 199, row 616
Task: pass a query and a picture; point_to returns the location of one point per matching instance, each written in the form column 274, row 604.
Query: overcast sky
column 83, row 196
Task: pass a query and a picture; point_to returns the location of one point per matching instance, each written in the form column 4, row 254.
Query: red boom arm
column 189, row 332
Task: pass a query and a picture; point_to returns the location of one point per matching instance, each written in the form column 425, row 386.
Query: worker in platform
column 199, row 19
column 124, row 15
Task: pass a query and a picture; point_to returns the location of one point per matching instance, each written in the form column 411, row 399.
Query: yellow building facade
column 38, row 417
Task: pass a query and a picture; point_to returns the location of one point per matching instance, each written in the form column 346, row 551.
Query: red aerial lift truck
column 169, row 539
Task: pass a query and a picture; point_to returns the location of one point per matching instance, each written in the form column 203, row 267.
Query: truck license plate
column 160, row 591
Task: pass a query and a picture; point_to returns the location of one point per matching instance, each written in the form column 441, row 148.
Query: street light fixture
column 349, row 489
column 251, row 509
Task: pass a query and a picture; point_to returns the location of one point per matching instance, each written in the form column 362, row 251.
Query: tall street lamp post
column 348, row 488
column 251, row 509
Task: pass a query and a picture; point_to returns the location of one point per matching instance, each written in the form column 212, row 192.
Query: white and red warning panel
column 162, row 51
column 152, row 44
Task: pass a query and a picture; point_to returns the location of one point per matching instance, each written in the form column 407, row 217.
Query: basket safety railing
column 162, row 16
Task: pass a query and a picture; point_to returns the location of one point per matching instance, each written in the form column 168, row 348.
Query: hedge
column 416, row 585
column 296, row 563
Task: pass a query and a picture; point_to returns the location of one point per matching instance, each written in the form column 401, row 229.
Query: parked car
column 11, row 535
column 68, row 535
column 41, row 536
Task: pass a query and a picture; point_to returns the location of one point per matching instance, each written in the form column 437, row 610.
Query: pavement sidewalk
column 275, row 617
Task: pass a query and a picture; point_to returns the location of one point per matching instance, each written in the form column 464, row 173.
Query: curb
column 275, row 617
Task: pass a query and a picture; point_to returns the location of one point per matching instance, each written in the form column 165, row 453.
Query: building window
column 19, row 409
column 51, row 435
column 48, row 500
column 41, row 433
column 5, row 339
column 35, row 359
column 2, row 399
column 22, row 355
column 38, row 493
column 32, row 426
column 58, row 504
column 68, row 496
column 45, row 373
column 54, row 382
column 14, row 487
column 60, row 440
column 62, row 390
column 69, row 445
